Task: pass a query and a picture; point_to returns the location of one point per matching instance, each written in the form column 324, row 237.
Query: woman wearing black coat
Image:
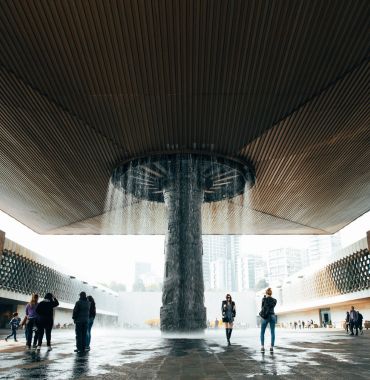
column 228, row 314
column 45, row 319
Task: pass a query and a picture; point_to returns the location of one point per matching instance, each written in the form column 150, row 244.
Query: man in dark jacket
column 81, row 318
column 353, row 317
column 45, row 319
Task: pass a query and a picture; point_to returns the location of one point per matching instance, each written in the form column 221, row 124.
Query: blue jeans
column 88, row 335
column 271, row 319
column 29, row 332
column 14, row 333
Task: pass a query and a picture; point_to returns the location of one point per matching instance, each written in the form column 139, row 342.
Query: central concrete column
column 183, row 288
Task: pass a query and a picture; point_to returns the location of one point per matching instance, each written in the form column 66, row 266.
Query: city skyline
column 106, row 258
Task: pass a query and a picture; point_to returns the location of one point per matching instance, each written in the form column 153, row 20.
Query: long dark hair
column 229, row 295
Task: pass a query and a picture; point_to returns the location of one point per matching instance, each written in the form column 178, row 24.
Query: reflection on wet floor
column 120, row 354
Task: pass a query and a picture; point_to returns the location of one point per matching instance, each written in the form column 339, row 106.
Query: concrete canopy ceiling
column 85, row 85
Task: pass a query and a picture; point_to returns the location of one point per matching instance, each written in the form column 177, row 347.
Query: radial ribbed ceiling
column 87, row 84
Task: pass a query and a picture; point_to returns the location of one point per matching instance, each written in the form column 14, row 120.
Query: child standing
column 14, row 324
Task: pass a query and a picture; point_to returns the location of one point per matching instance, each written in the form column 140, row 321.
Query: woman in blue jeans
column 268, row 317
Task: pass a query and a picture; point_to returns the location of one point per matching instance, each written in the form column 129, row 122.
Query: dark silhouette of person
column 228, row 314
column 353, row 318
column 80, row 317
column 216, row 323
column 45, row 319
column 14, row 325
column 359, row 322
column 268, row 318
column 92, row 314
column 347, row 322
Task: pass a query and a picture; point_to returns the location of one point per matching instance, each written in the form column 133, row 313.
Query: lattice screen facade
column 347, row 275
column 23, row 275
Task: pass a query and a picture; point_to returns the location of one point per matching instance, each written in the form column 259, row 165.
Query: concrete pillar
column 368, row 239
column 183, row 288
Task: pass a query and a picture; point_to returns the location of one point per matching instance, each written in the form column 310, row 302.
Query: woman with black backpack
column 267, row 314
column 228, row 314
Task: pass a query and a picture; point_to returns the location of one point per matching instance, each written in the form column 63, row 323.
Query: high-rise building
column 252, row 269
column 220, row 262
column 142, row 269
column 283, row 262
column 321, row 247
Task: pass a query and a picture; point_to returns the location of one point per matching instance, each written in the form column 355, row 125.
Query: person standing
column 216, row 323
column 268, row 317
column 92, row 314
column 45, row 319
column 353, row 317
column 359, row 322
column 228, row 314
column 80, row 317
column 31, row 321
column 14, row 324
column 347, row 322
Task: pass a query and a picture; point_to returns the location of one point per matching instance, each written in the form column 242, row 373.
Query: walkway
column 120, row 354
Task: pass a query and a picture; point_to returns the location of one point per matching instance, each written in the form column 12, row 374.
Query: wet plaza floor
column 130, row 354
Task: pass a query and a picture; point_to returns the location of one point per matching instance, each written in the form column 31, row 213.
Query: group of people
column 267, row 315
column 301, row 324
column 39, row 320
column 354, row 321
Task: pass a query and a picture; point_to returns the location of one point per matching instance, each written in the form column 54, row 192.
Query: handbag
column 265, row 312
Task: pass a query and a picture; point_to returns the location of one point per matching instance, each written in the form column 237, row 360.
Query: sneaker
column 38, row 348
column 77, row 350
column 262, row 349
column 34, row 347
column 49, row 348
column 271, row 349
column 15, row 340
column 28, row 347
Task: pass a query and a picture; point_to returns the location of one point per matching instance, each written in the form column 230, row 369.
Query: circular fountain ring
column 220, row 177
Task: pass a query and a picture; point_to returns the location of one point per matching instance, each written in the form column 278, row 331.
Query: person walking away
column 347, row 322
column 353, row 317
column 359, row 322
column 268, row 318
column 228, row 314
column 302, row 324
column 92, row 314
column 14, row 325
column 295, row 325
column 80, row 317
column 216, row 324
column 31, row 321
column 45, row 319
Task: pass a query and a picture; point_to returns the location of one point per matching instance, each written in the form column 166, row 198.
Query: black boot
column 227, row 335
column 230, row 331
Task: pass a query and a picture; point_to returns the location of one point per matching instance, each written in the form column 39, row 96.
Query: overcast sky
column 112, row 258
